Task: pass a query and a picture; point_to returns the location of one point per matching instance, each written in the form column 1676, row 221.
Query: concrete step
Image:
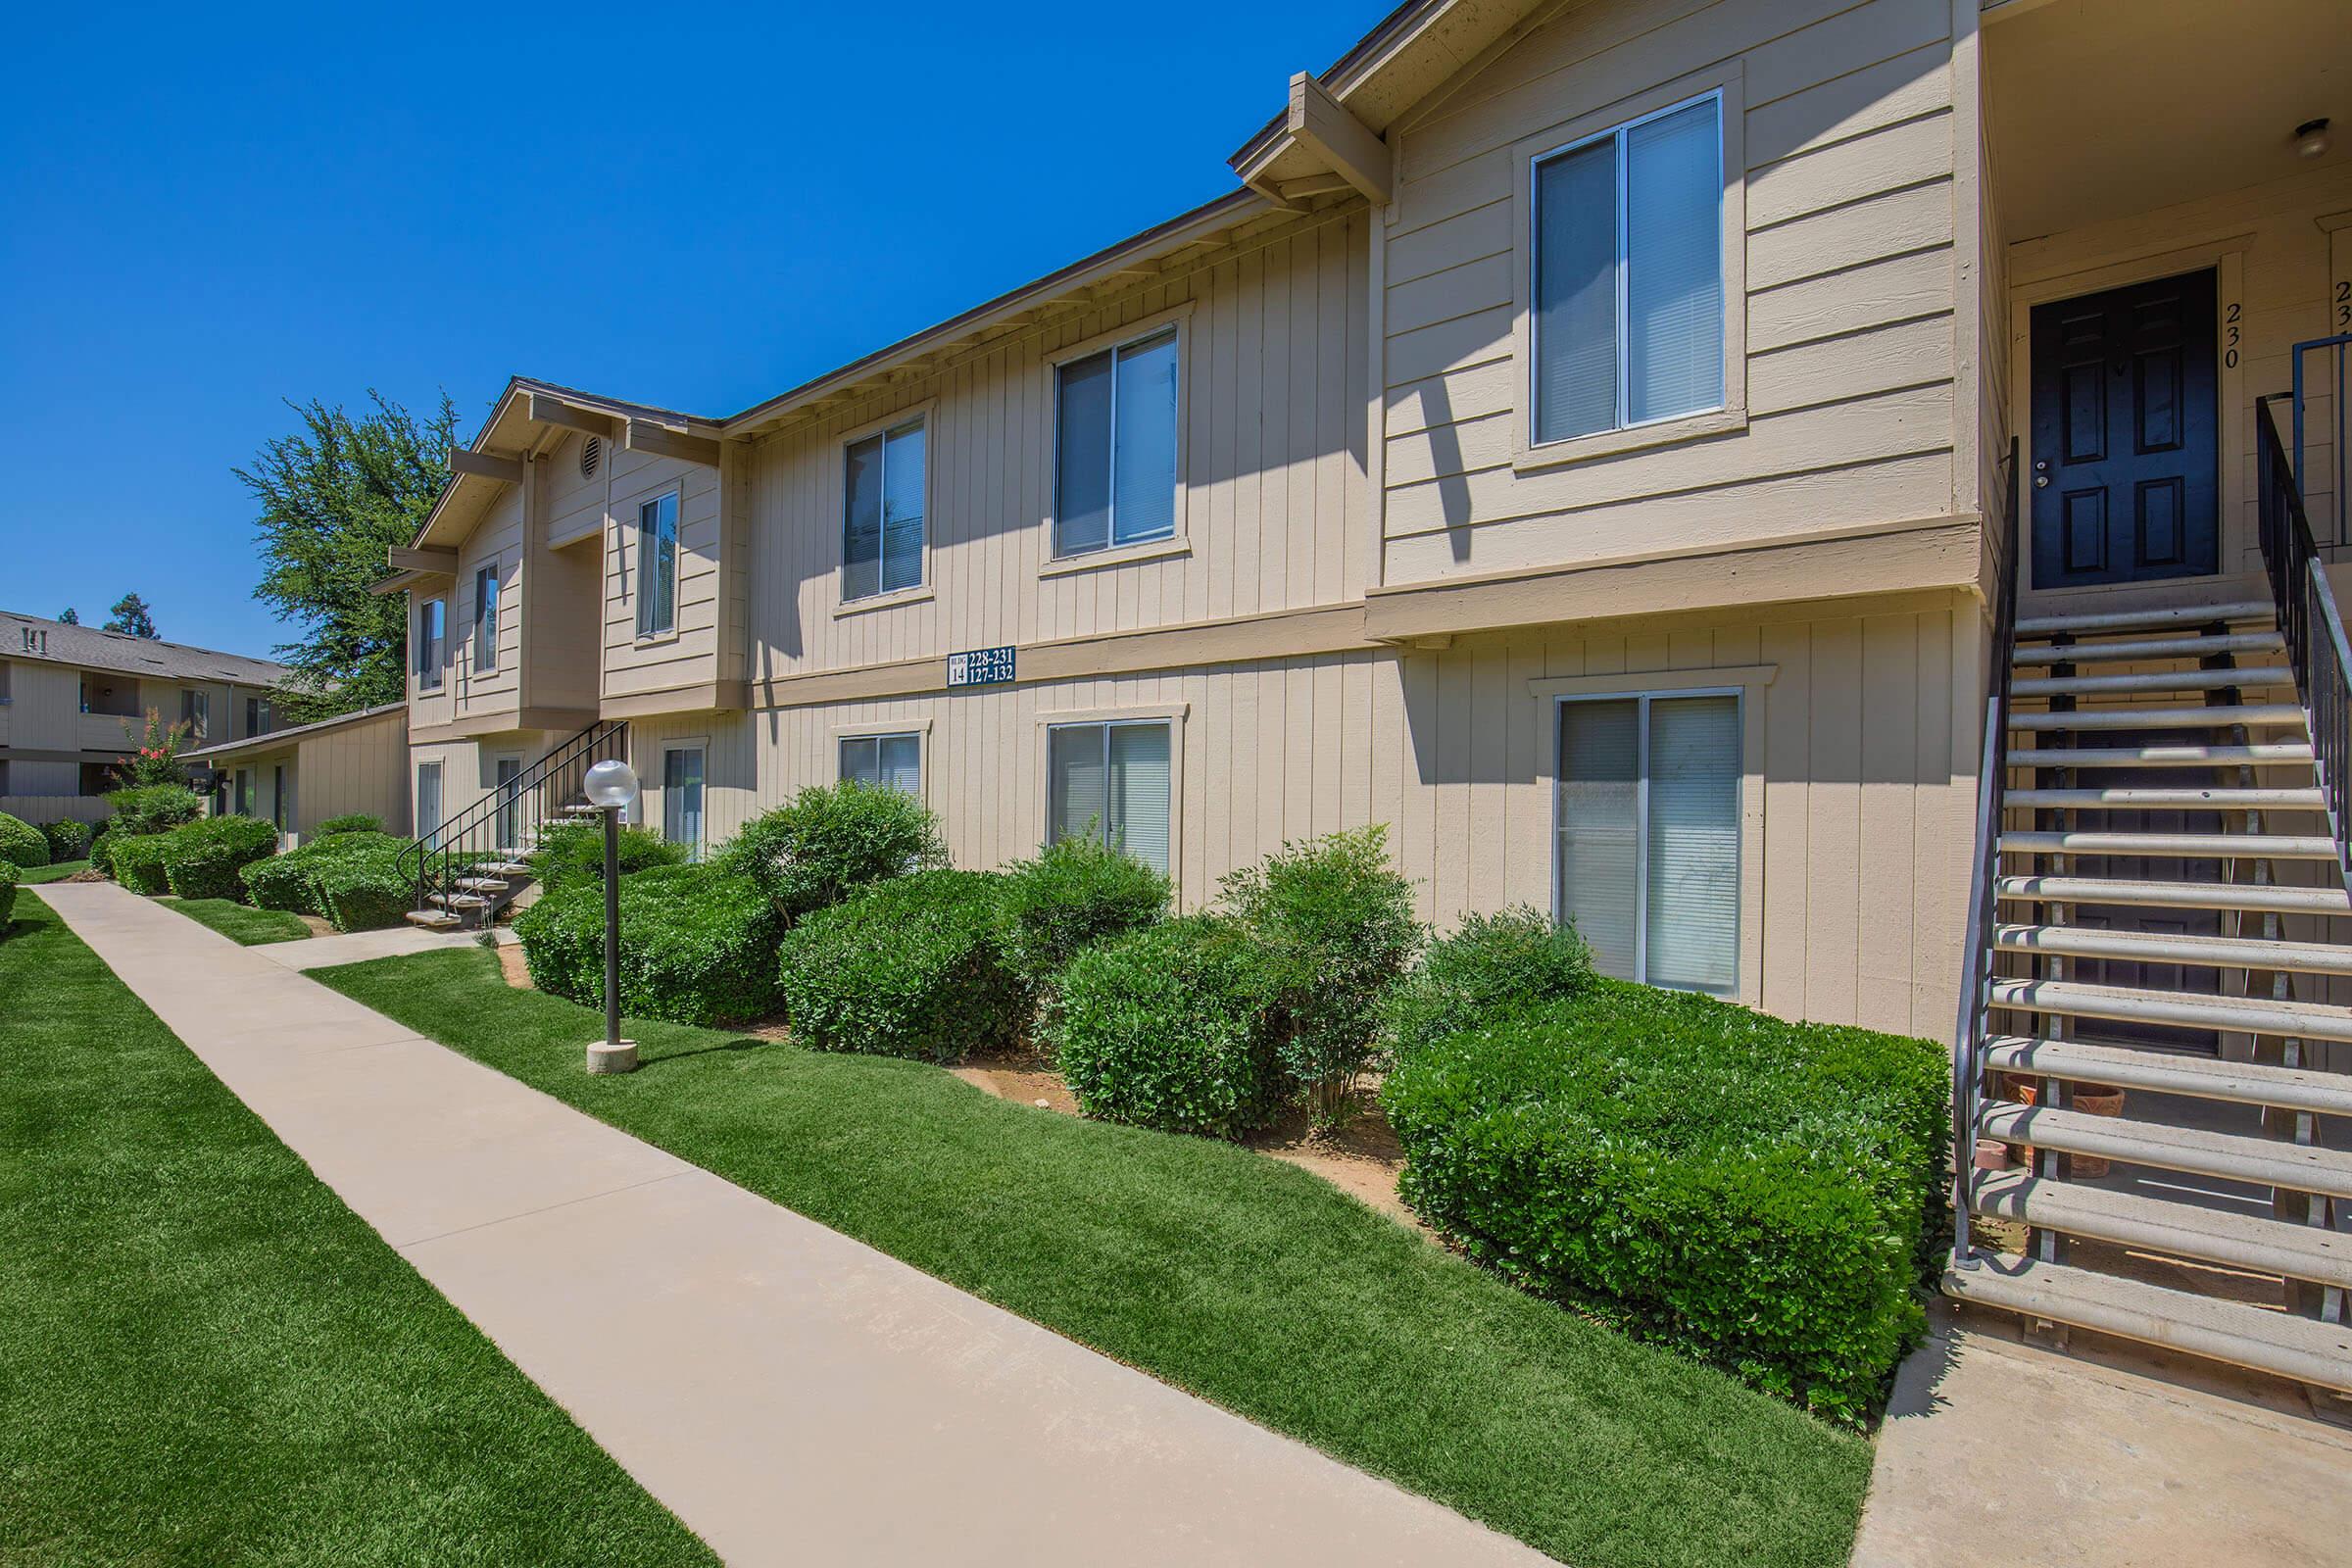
column 2237, row 1083
column 2265, row 676
column 2148, row 947
column 2147, row 798
column 458, row 900
column 2218, row 716
column 433, row 919
column 2172, row 895
column 2151, row 649
column 2293, row 1347
column 2178, row 845
column 2254, row 1015
column 2181, row 1230
column 482, row 884
column 2263, row 754
column 2263, row 1161
column 508, row 865
column 2247, row 611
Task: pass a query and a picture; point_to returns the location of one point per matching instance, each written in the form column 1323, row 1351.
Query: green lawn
column 209, row 1359
column 1219, row 1270
column 241, row 923
column 56, row 871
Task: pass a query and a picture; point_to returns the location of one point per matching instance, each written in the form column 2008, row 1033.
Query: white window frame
column 440, row 801
column 1175, row 541
column 701, row 746
column 656, row 634
column 1172, row 714
column 1725, row 86
column 884, row 599
column 430, row 677
column 487, row 608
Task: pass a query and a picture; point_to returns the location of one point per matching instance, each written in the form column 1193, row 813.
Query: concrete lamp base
column 603, row 1058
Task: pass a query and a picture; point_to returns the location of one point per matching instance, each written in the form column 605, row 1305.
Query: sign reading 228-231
column 982, row 667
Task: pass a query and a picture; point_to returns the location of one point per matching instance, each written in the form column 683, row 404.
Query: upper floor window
column 432, row 633
column 257, row 715
column 882, row 512
column 1629, row 298
column 657, row 565
column 485, row 619
column 1114, row 456
column 196, row 713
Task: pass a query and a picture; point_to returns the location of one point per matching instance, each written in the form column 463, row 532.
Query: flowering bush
column 155, row 754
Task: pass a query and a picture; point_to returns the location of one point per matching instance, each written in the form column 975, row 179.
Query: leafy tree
column 133, row 618
column 334, row 497
column 68, row 618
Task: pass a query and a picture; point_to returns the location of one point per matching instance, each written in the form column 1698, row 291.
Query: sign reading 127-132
column 982, row 667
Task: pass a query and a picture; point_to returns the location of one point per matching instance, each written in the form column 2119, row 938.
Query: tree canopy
column 69, row 618
column 132, row 618
column 334, row 495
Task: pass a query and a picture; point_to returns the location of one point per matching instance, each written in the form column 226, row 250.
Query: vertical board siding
column 361, row 767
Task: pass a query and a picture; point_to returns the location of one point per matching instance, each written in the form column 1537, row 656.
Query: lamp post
column 611, row 785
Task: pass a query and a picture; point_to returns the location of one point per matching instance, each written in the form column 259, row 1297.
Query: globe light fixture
column 612, row 788
column 2310, row 138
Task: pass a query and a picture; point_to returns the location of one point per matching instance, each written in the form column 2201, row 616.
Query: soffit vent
column 592, row 453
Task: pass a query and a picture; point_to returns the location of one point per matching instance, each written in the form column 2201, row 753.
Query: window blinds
column 882, row 512
column 1599, row 810
column 1674, row 264
column 1576, row 293
column 1111, row 782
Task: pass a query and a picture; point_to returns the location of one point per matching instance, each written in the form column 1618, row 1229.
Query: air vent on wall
column 592, row 453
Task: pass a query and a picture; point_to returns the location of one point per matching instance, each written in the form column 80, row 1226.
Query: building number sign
column 982, row 667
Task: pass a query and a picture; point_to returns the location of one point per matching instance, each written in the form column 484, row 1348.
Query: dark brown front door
column 2126, row 480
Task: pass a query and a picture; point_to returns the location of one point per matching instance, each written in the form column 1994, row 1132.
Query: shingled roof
column 38, row 640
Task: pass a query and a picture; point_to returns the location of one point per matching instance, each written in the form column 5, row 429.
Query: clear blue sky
column 205, row 209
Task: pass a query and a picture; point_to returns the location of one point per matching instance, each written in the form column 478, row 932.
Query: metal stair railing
column 435, row 864
column 1975, row 972
column 2308, row 621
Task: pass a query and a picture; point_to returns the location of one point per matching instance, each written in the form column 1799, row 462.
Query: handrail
column 1976, row 963
column 433, row 863
column 2309, row 621
column 2339, row 477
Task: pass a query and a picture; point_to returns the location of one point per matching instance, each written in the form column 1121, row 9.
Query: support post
column 612, row 1054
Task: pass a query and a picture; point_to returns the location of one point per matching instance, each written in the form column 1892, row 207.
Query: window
column 257, row 715
column 3, row 776
column 242, row 803
column 1110, row 782
column 893, row 759
column 657, row 565
column 279, row 802
column 195, row 713
column 5, row 667
column 882, row 512
column 485, row 619
column 1629, row 311
column 503, row 773
column 428, row 802
column 1648, row 821
column 1114, row 458
column 682, row 797
column 432, row 630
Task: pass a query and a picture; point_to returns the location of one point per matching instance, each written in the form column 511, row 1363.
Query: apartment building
column 75, row 700
column 1625, row 448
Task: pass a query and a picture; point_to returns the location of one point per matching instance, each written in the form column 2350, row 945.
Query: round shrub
column 290, row 881
column 20, row 842
column 698, row 945
column 1491, row 963
column 67, row 840
column 1075, row 894
column 363, row 888
column 136, row 861
column 154, row 807
column 8, row 892
column 351, row 822
column 1168, row 1027
column 202, row 860
column 574, row 853
column 914, row 967
column 829, row 842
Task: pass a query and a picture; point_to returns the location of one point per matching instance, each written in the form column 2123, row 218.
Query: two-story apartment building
column 1583, row 443
column 75, row 700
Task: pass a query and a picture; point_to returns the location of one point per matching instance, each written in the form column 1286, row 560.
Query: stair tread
column 2283, row 1346
column 2187, row 846
column 2264, row 1161
column 2186, row 895
column 431, row 917
column 2217, row 715
column 2220, row 953
column 2251, row 609
column 2187, row 645
column 2185, row 1229
column 2311, row 1020
column 2244, row 1083
column 2163, row 680
column 2147, row 797
column 2262, row 754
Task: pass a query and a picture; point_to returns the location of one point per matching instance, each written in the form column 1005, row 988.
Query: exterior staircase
column 476, row 864
column 2153, row 1068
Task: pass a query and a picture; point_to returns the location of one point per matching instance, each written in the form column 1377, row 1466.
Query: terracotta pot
column 1992, row 1154
column 2093, row 1100
column 2024, row 1090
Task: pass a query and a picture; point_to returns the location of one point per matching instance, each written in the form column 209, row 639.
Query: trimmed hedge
column 828, row 842
column 154, row 807
column 8, row 892
column 575, row 854
column 351, row 822
column 290, row 881
column 914, row 967
column 68, row 839
column 1489, row 962
column 363, row 890
column 1760, row 1193
column 136, row 861
column 21, row 844
column 202, row 860
column 1075, row 894
column 698, row 945
column 1168, row 1027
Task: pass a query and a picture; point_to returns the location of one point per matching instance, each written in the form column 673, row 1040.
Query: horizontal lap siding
column 690, row 657
column 498, row 538
column 1848, row 225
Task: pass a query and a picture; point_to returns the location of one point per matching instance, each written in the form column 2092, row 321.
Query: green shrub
column 1335, row 926
column 136, row 861
column 202, row 860
column 1493, row 961
column 829, row 842
column 8, row 892
column 67, row 840
column 97, row 850
column 575, row 854
column 1760, row 1193
column 154, row 807
column 1170, row 1027
column 360, row 884
column 1075, row 894
column 290, row 881
column 912, row 966
column 698, row 945
column 351, row 822
column 20, row 842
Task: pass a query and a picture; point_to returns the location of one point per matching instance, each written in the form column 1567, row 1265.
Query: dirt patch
column 87, row 874
column 511, row 965
column 319, row 925
column 1025, row 1081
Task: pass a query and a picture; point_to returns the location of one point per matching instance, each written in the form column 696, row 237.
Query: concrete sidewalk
column 354, row 946
column 792, row 1395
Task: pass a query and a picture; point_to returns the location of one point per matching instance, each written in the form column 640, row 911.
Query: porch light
column 2311, row 137
column 610, row 786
